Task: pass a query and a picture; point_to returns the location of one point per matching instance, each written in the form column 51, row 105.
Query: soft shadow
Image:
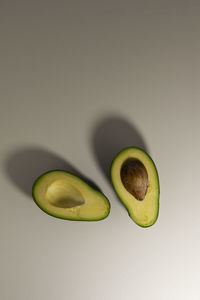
column 112, row 134
column 67, row 203
column 24, row 165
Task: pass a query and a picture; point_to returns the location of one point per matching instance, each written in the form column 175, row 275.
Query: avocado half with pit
column 66, row 196
column 135, row 180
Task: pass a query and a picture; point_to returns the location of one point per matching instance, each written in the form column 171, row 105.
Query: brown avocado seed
column 135, row 178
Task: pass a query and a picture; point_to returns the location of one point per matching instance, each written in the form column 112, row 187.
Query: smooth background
column 79, row 80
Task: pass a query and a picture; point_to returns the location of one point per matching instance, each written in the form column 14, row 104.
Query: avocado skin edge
column 156, row 172
column 69, row 219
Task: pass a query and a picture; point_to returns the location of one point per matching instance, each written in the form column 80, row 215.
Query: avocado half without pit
column 135, row 180
column 66, row 196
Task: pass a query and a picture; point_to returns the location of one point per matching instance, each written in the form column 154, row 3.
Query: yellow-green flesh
column 64, row 195
column 144, row 212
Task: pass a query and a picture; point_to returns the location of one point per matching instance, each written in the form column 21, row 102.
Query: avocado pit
column 134, row 178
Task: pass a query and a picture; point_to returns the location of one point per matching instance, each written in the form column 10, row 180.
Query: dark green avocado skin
column 56, row 216
column 120, row 198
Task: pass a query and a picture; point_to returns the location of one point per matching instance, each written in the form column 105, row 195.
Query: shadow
column 110, row 136
column 67, row 203
column 24, row 165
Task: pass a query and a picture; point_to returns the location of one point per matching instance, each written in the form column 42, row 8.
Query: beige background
column 79, row 80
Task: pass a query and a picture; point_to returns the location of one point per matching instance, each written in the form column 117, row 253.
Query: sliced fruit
column 66, row 196
column 135, row 180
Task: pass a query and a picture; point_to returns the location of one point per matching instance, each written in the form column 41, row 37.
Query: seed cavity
column 135, row 178
column 61, row 194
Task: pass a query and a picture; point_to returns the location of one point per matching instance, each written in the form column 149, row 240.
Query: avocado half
column 135, row 180
column 66, row 196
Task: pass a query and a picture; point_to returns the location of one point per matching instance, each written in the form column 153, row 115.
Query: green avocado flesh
column 135, row 181
column 66, row 196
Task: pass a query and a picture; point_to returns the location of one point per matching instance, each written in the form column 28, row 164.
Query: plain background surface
column 79, row 80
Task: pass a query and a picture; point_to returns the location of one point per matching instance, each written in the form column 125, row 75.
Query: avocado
column 63, row 195
column 135, row 180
